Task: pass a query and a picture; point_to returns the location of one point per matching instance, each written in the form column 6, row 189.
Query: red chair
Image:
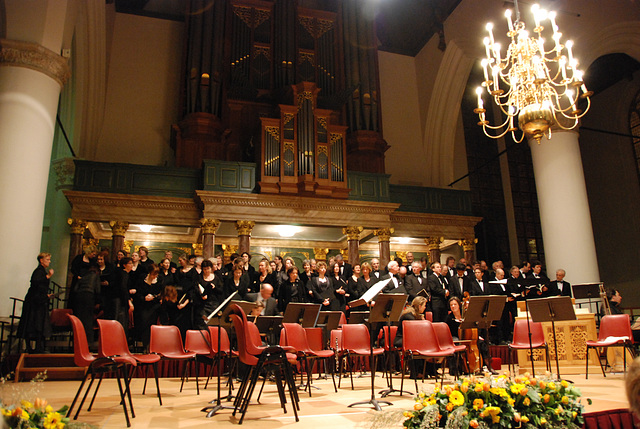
column 200, row 342
column 225, row 351
column 419, row 340
column 356, row 340
column 256, row 358
column 445, row 339
column 428, row 316
column 335, row 343
column 390, row 350
column 113, row 344
column 166, row 341
column 96, row 366
column 521, row 339
column 295, row 336
column 615, row 331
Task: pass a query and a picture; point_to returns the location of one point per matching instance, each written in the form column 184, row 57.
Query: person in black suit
column 459, row 284
column 395, row 285
column 414, row 282
column 477, row 285
column 265, row 296
column 375, row 268
column 345, row 268
column 439, row 294
column 542, row 281
column 559, row 287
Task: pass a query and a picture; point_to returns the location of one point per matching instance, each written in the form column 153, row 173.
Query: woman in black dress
column 34, row 322
column 171, row 310
column 167, row 273
column 339, row 289
column 321, row 288
column 292, row 290
column 263, row 275
column 365, row 281
column 211, row 294
column 237, row 281
column 87, row 295
column 146, row 304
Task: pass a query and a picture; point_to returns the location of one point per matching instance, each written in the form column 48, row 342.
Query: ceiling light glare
column 287, row 230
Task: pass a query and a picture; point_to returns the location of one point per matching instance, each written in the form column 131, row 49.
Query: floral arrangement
column 499, row 402
column 23, row 413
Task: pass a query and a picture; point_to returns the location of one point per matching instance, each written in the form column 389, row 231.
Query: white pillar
column 564, row 208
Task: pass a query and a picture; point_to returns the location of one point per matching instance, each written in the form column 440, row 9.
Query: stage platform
column 325, row 409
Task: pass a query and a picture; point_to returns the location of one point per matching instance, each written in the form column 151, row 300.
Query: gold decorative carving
column 352, row 232
column 209, row 226
column 77, row 226
column 578, row 340
column 262, row 50
column 315, row 27
column 320, row 254
column 304, row 95
column 119, row 227
column 401, row 255
column 126, row 246
column 273, row 132
column 336, row 138
column 433, row 243
column 35, row 57
column 344, row 252
column 90, row 242
column 322, row 149
column 185, row 250
column 288, row 117
column 468, row 244
column 244, row 227
column 307, row 56
column 383, row 234
column 197, row 249
column 306, row 255
column 322, row 122
column 252, row 20
column 269, row 254
column 229, row 249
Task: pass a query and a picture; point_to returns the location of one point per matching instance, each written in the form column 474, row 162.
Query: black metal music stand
column 379, row 313
column 222, row 312
column 269, row 325
column 589, row 291
column 328, row 321
column 482, row 310
column 557, row 308
column 302, row 313
column 391, row 306
column 357, row 317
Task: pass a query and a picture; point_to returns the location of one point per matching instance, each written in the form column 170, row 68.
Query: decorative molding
column 468, row 244
column 126, row 246
column 352, row 232
column 320, row 254
column 244, row 227
column 209, row 226
column 433, row 243
column 77, row 226
column 29, row 55
column 119, row 227
column 65, row 173
column 383, row 234
column 197, row 249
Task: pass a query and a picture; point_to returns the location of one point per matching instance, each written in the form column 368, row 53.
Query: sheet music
column 375, row 290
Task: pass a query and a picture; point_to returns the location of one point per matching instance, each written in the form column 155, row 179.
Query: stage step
column 58, row 367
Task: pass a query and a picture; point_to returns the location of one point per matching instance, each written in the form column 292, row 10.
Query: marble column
column 320, row 254
column 118, row 230
column 564, row 207
column 469, row 248
column 76, row 232
column 433, row 245
column 384, row 235
column 32, row 73
column 353, row 243
column 244, row 228
column 209, row 228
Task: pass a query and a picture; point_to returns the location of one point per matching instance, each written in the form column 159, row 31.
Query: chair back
column 428, row 316
column 254, row 345
column 113, row 341
column 82, row 357
column 241, row 334
column 60, row 320
column 314, row 338
column 356, row 337
column 225, row 344
column 296, row 337
column 445, row 339
column 385, row 339
column 521, row 334
column 419, row 335
column 198, row 341
column 165, row 339
column 615, row 325
column 343, row 320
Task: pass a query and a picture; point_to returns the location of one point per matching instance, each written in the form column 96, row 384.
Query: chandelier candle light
column 541, row 88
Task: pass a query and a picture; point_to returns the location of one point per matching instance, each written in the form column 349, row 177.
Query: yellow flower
column 524, row 419
column 432, row 401
column 478, row 403
column 574, row 414
column 408, row 414
column 48, row 409
column 511, row 401
column 40, row 403
column 478, row 387
column 418, row 406
column 564, row 383
column 456, row 399
column 565, row 400
column 495, row 419
column 542, row 385
column 494, row 411
column 551, row 385
column 6, row 412
column 26, row 404
column 53, row 421
column 464, row 387
column 526, row 402
column 543, row 421
column 421, row 395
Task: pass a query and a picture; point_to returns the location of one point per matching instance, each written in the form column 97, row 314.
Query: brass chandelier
column 538, row 87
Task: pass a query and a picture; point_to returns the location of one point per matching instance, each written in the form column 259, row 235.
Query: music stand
column 223, row 311
column 557, row 308
column 302, row 313
column 391, row 306
column 357, row 317
column 329, row 321
column 482, row 310
column 588, row 291
column 268, row 325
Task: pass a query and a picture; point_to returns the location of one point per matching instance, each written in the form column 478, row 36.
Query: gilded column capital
column 197, row 249
column 209, row 226
column 90, row 242
column 320, row 253
column 401, row 255
column 468, row 244
column 77, row 226
column 383, row 234
column 126, row 246
column 119, row 227
column 244, row 227
column 35, row 57
column 433, row 243
column 352, row 232
column 229, row 249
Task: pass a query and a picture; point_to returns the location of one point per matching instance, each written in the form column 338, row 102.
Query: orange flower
column 473, row 423
column 546, row 398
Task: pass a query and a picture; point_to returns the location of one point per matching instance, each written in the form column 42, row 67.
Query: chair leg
column 196, row 366
column 84, row 380
column 333, row 378
column 185, row 372
column 586, row 360
column 155, row 374
column 123, row 400
column 251, row 387
column 128, row 390
column 146, row 374
column 86, row 393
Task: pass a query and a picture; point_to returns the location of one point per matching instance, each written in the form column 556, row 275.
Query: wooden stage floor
column 326, row 409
